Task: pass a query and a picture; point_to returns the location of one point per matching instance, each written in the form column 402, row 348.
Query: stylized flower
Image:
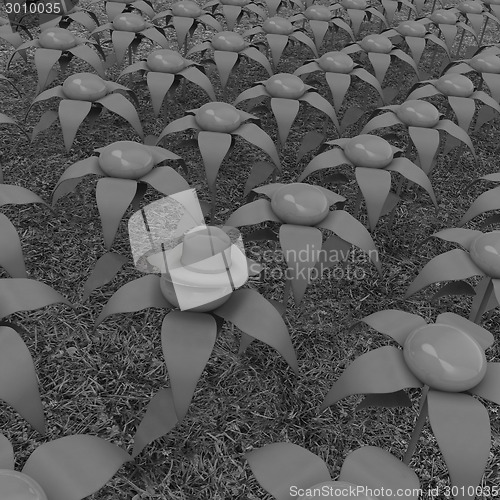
column 61, row 45
column 228, row 47
column 185, row 16
column 358, row 11
column 448, row 22
column 302, row 209
column 127, row 31
column 233, row 10
column 117, row 7
column 164, row 69
column 320, row 17
column 487, row 64
column 279, row 32
column 379, row 50
column 217, row 123
column 124, row 166
column 339, row 69
column 447, row 359
column 416, row 35
column 460, row 94
column 373, row 159
column 286, row 92
column 481, row 258
column 80, row 93
column 70, row 467
column 282, row 468
column 201, row 268
column 423, row 122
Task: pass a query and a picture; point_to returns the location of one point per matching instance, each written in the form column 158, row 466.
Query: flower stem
column 419, row 425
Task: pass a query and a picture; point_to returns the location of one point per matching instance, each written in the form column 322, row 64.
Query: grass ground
column 100, row 383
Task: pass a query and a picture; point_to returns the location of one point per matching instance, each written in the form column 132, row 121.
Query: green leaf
column 453, row 265
column 462, row 428
column 278, row 466
column 104, row 271
column 490, row 200
column 135, row 296
column 256, row 136
column 225, row 61
column 253, row 314
column 426, row 142
column 252, row 213
column 379, row 371
column 113, row 197
column 328, row 159
column 214, row 146
column 481, row 335
column 165, row 180
column 396, row 324
column 17, row 195
column 117, row 103
column 11, row 253
column 159, row 84
column 18, row 381
column 277, row 44
column 375, row 468
column 285, row 112
column 74, row 467
column 195, row 76
column 187, row 339
column 160, row 419
column 464, row 237
column 71, row 115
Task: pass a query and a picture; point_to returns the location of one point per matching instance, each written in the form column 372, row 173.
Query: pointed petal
column 458, row 133
column 160, row 419
column 351, row 230
column 464, row 237
column 213, row 148
column 11, row 253
column 255, row 135
column 21, row 294
column 339, row 84
column 71, row 115
column 449, row 32
column 155, row 36
column 464, row 109
column 74, row 467
column 416, row 46
column 376, row 468
column 493, row 82
column 178, row 125
column 48, row 94
column 388, row 119
column 18, row 381
column 259, row 173
column 338, row 21
column 251, row 93
column 17, row 195
column 379, row 371
column 159, row 84
column 231, row 14
column 311, row 141
column 409, row 170
column 320, row 103
column 113, row 197
column 422, row 92
column 490, row 200
column 46, row 120
column 259, row 57
column 356, row 17
column 6, row 453
column 253, row 314
column 319, row 30
column 277, row 44
column 117, row 103
column 166, row 180
column 489, row 387
column 104, row 271
column 396, row 324
column 285, row 112
column 279, row 466
column 307, row 68
column 45, row 59
column 481, row 335
column 296, row 241
column 375, row 185
column 252, row 213
column 135, row 296
column 328, row 159
column 76, row 171
column 137, row 66
column 194, row 75
column 426, row 142
column 462, row 428
column 85, row 53
column 225, row 62
column 121, row 42
column 405, row 58
column 380, row 63
column 182, row 26
column 303, row 38
column 453, row 265
column 187, row 342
